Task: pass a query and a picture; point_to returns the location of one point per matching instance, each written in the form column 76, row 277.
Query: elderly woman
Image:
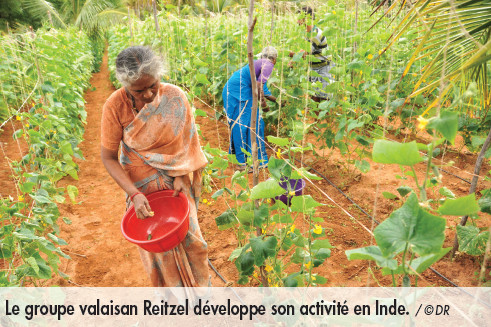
column 237, row 101
column 154, row 124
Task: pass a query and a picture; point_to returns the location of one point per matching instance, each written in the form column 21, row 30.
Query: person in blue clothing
column 237, row 101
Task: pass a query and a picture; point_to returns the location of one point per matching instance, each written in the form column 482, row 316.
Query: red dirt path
column 102, row 257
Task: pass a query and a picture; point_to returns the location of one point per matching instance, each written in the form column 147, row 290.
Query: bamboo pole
column 355, row 45
column 472, row 189
column 154, row 5
column 255, row 163
column 272, row 22
column 129, row 24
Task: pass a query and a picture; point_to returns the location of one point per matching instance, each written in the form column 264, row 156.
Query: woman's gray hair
column 269, row 53
column 135, row 61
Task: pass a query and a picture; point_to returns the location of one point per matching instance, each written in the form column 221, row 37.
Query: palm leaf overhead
column 92, row 16
column 41, row 9
column 454, row 41
column 96, row 15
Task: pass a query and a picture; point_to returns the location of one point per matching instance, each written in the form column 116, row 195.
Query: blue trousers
column 239, row 119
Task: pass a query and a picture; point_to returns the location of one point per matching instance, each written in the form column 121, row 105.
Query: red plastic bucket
column 168, row 226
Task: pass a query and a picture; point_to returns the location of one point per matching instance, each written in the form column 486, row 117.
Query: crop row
column 44, row 75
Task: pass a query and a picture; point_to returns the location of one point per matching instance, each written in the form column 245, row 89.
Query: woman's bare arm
column 110, row 160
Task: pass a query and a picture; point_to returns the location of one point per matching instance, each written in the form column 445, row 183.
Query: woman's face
column 144, row 89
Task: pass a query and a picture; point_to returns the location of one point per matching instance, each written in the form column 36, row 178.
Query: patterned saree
column 159, row 143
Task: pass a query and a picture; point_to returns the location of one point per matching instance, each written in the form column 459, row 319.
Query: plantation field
column 94, row 233
column 387, row 175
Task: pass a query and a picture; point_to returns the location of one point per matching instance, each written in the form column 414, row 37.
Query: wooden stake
column 129, row 23
column 272, row 22
column 472, row 189
column 355, row 45
column 155, row 16
column 255, row 163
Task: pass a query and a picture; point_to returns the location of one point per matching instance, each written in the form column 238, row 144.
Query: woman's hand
column 142, row 207
column 181, row 184
column 140, row 202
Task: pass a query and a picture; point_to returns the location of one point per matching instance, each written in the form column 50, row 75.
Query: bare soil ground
column 102, row 257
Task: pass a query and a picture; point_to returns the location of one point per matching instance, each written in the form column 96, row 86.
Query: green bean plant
column 291, row 242
column 411, row 239
column 57, row 65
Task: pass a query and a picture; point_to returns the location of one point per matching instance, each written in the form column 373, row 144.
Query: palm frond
column 86, row 18
column 42, row 9
column 454, row 37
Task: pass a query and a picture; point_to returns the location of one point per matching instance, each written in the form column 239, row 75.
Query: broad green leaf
column 48, row 88
column 201, row 78
column 362, row 165
column 243, row 280
column 322, row 254
column 200, row 113
column 298, row 240
column 463, row 206
column 226, row 220
column 235, row 254
column 303, row 172
column 31, row 261
column 18, row 133
column 397, row 103
column 200, row 62
column 59, row 198
column 304, row 203
column 72, row 192
column 44, row 269
column 319, row 279
column 72, row 172
column 5, row 251
column 372, row 253
column 291, row 280
column 447, row 193
column 245, row 263
column 24, row 234
column 388, row 195
column 261, row 214
column 239, row 178
column 404, row 190
column 278, row 205
column 40, row 199
column 66, row 147
column 447, row 124
column 282, row 219
column 217, row 194
column 263, row 248
column 266, row 190
column 279, row 168
column 321, row 244
column 57, row 240
column 471, row 240
column 26, row 187
column 299, row 256
column 420, row 264
column 412, row 227
column 390, row 152
column 485, row 202
column 281, row 141
column 246, row 213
